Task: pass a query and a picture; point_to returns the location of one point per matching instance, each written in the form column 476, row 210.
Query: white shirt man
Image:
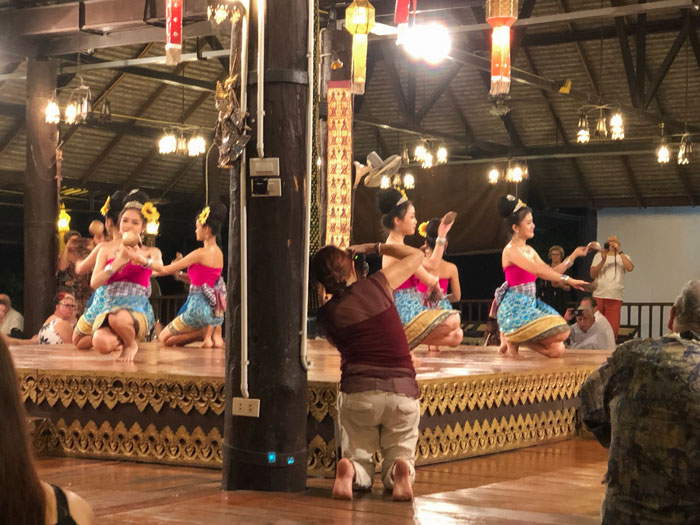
column 12, row 319
column 592, row 330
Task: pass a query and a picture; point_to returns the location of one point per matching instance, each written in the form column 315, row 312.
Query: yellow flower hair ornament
column 150, row 212
column 423, row 229
column 204, row 215
column 104, row 210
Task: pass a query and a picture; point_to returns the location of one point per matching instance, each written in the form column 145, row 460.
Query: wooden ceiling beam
column 626, row 53
column 632, row 181
column 563, row 5
column 641, row 52
column 437, row 92
column 668, row 60
column 389, row 60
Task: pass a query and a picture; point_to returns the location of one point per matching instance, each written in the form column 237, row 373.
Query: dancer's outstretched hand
column 579, row 284
column 446, row 223
column 581, row 251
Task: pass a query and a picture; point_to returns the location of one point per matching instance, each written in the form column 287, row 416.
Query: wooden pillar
column 213, row 174
column 40, row 199
column 269, row 452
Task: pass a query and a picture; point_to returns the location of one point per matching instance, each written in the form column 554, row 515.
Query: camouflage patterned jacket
column 644, row 404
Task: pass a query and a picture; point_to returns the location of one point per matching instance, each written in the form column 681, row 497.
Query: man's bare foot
column 128, row 352
column 208, row 343
column 344, row 474
column 403, row 490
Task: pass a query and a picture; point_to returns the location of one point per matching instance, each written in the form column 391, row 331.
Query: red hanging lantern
column 401, row 14
column 500, row 14
column 173, row 31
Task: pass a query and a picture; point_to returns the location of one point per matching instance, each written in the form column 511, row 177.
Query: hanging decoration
column 685, row 150
column 402, row 11
column 63, row 223
column 78, row 108
column 359, row 21
column 182, row 141
column 220, row 12
column 583, row 135
column 515, row 171
column 500, row 15
column 53, row 112
column 663, row 152
column 173, row 31
column 339, row 164
column 428, row 158
column 231, row 127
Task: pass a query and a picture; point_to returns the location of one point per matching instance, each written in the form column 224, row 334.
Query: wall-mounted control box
column 266, row 187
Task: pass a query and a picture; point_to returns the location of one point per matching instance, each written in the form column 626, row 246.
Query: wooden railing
column 165, row 307
column 650, row 319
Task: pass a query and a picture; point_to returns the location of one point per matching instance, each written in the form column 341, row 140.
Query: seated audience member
column 58, row 328
column 11, row 321
column 25, row 499
column 644, row 405
column 378, row 400
column 592, row 330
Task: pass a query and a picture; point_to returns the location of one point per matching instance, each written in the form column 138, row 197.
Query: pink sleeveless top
column 422, row 288
column 409, row 283
column 131, row 273
column 201, row 274
column 515, row 275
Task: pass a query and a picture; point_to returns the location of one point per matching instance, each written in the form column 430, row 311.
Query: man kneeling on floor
column 378, row 405
column 644, row 404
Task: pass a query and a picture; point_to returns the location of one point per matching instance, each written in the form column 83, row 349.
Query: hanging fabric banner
column 339, row 163
column 173, row 31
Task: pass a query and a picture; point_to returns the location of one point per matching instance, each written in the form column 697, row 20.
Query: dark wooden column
column 40, row 199
column 275, row 250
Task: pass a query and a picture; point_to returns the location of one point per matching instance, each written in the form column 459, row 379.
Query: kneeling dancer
column 378, row 406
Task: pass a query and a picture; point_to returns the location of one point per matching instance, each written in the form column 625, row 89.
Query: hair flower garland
column 104, row 210
column 423, row 229
column 150, row 212
column 204, row 215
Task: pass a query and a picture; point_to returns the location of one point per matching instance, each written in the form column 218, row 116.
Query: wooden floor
column 154, row 359
column 557, row 483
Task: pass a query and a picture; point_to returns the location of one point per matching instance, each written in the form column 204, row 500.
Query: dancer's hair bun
column 218, row 212
column 506, row 205
column 135, row 195
column 388, row 199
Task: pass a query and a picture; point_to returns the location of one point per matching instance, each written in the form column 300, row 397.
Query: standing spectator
column 378, row 403
column 24, row 498
column 592, row 330
column 556, row 294
column 608, row 269
column 644, row 405
column 68, row 277
column 12, row 322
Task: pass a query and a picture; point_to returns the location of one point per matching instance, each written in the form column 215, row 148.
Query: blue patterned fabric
column 519, row 308
column 95, row 304
column 410, row 303
column 196, row 313
column 115, row 301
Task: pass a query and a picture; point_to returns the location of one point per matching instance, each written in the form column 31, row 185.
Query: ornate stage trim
column 320, row 460
column 456, row 395
column 135, row 444
column 322, row 400
column 177, row 392
column 437, row 445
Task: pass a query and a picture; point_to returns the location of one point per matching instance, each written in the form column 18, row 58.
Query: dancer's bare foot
column 433, row 349
column 512, row 350
column 403, row 490
column 503, row 348
column 344, row 474
column 208, row 343
column 128, row 352
column 218, row 342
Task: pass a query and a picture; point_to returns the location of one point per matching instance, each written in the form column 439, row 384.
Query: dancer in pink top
column 523, row 319
column 202, row 315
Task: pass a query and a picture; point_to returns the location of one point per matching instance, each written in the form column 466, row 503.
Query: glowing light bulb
column 409, row 182
column 429, row 42
column 167, row 144
column 419, row 153
column 152, row 227
column 427, row 160
column 386, row 182
column 196, row 146
column 442, row 155
column 617, row 127
column 63, row 220
column 494, row 175
column 663, row 153
column 71, row 114
column 53, row 113
column 583, row 135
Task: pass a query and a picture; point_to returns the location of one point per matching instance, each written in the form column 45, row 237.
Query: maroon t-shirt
column 363, row 324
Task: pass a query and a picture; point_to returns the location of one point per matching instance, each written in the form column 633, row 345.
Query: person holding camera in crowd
column 592, row 330
column 608, row 269
column 67, row 276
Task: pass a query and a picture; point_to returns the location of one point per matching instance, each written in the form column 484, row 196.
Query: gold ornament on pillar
column 359, row 21
column 500, row 14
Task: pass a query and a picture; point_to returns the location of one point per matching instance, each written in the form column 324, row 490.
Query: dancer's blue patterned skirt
column 195, row 314
column 418, row 320
column 523, row 318
column 94, row 306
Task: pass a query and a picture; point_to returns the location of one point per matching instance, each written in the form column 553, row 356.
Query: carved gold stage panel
column 168, row 406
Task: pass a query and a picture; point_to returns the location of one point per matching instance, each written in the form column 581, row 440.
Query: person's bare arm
column 65, row 330
column 87, row 264
column 455, row 287
column 178, row 264
column 596, row 268
column 539, row 268
column 626, row 262
column 409, row 262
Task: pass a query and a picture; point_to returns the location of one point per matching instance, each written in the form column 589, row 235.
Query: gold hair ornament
column 104, row 210
column 204, row 215
column 519, row 206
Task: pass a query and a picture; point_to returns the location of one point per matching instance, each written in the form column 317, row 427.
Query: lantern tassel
column 359, row 64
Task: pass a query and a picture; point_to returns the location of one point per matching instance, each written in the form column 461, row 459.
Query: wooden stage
column 168, row 406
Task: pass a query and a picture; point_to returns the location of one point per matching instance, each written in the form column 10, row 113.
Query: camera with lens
column 361, row 265
column 578, row 312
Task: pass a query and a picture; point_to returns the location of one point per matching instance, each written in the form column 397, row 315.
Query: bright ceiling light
column 429, row 42
column 494, row 175
column 409, row 182
column 196, row 146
